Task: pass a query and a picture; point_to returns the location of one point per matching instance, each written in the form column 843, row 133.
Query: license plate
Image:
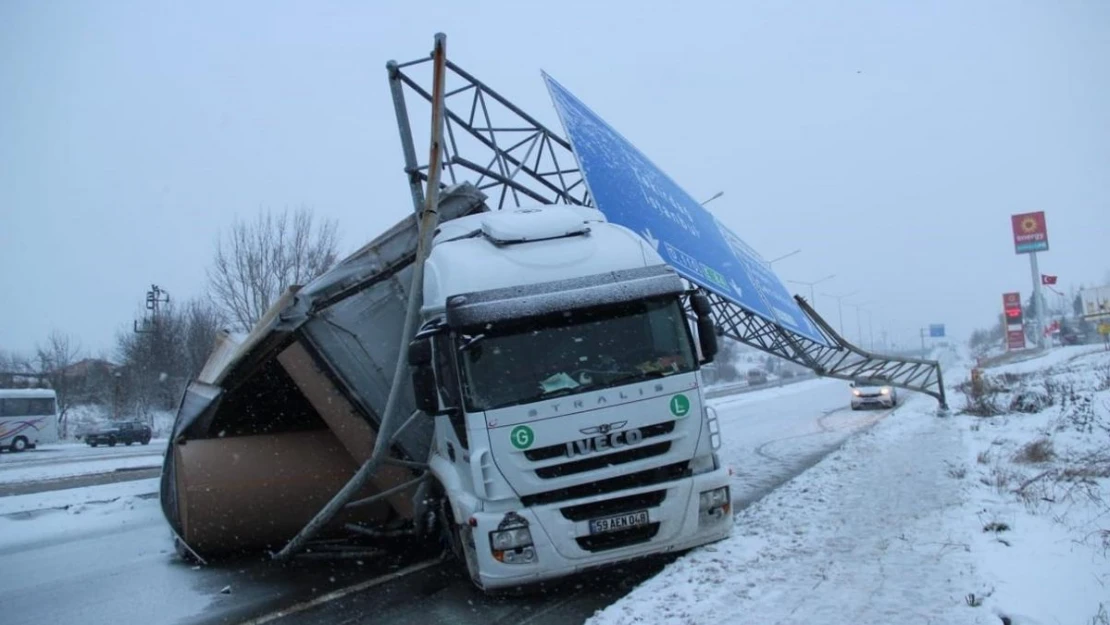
column 619, row 522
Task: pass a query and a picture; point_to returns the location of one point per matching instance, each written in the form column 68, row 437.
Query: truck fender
column 462, row 501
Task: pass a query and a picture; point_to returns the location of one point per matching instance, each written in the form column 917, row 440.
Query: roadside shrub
column 1030, row 400
column 1035, row 452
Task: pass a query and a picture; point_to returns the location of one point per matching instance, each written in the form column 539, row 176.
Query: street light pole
column 715, row 196
column 771, row 262
column 812, row 297
column 840, row 307
column 859, row 319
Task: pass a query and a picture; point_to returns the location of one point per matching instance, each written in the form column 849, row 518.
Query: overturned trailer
column 275, row 424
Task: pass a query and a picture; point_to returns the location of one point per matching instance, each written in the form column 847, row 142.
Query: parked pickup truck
column 125, row 432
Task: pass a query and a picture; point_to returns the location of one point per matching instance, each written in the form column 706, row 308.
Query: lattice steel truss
column 516, row 160
column 490, row 142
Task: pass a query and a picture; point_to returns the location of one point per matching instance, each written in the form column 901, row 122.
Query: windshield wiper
column 470, row 341
column 639, row 376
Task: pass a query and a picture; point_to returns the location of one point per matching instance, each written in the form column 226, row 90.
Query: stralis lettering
column 601, row 443
column 601, row 400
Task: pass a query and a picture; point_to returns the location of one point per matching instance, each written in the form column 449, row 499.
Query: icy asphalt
column 111, row 561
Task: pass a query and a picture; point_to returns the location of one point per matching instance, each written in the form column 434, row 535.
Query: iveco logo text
column 600, row 400
column 609, row 436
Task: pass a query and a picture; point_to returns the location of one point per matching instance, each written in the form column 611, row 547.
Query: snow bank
column 29, row 472
column 1048, row 359
column 1040, row 483
column 23, row 532
column 862, row 537
column 71, row 497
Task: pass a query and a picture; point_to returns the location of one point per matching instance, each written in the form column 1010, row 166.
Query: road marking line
column 343, row 592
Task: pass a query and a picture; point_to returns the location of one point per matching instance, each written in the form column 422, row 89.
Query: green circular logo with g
column 680, row 406
column 522, row 437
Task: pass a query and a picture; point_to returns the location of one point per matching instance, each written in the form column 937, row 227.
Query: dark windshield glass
column 573, row 352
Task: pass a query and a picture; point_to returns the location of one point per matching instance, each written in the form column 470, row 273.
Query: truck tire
column 19, row 444
column 456, row 537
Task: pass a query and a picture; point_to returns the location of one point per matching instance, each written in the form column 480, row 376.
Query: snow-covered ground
column 923, row 519
column 74, row 500
column 47, row 518
column 57, row 461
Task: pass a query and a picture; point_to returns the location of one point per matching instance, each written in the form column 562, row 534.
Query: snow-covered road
column 113, row 562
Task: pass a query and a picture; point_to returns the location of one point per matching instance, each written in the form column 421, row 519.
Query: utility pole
column 155, row 297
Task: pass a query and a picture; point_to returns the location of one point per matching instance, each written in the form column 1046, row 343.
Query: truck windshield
column 565, row 353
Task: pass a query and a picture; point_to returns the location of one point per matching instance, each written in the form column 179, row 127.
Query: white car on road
column 873, row 394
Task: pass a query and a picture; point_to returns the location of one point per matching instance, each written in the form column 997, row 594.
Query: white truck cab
column 562, row 371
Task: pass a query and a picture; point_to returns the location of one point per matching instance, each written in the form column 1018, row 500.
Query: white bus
column 28, row 417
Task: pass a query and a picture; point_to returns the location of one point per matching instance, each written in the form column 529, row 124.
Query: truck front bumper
column 563, row 543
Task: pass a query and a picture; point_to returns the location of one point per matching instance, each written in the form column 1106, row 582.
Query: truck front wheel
column 459, row 539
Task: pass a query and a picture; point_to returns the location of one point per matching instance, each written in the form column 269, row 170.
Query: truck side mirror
column 423, row 376
column 707, row 330
column 699, row 301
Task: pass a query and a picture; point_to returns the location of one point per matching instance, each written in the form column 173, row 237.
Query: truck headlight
column 714, row 505
column 512, row 542
column 714, row 498
column 510, row 539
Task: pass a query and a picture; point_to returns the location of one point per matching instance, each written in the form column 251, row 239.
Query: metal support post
column 1038, row 300
column 429, row 219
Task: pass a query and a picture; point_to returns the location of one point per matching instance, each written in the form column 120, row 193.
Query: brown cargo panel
column 353, row 431
column 259, row 491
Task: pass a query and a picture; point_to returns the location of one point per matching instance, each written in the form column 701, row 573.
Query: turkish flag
column 1046, row 279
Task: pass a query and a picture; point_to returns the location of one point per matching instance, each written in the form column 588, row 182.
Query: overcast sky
column 889, row 142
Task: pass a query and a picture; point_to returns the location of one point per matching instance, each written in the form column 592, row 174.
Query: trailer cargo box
column 278, row 421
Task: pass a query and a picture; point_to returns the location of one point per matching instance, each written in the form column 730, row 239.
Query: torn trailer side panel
column 279, row 421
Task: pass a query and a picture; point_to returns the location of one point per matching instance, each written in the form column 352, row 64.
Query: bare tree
column 202, row 322
column 55, row 360
column 14, row 367
column 259, row 260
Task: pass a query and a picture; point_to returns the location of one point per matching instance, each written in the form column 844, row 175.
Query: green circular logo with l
column 522, row 437
column 680, row 406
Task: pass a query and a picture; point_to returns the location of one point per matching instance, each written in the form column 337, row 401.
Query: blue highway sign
column 633, row 192
column 936, row 329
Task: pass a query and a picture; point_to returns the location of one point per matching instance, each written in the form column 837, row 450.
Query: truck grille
column 598, row 462
column 615, row 540
column 609, row 507
column 554, row 451
column 650, row 477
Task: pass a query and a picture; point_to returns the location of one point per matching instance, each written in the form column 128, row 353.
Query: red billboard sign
column 1011, row 301
column 1030, row 232
column 1015, row 339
